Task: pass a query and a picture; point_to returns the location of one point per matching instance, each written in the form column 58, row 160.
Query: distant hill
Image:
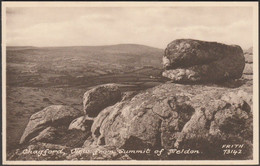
column 131, row 53
column 129, row 48
column 44, row 65
column 19, row 47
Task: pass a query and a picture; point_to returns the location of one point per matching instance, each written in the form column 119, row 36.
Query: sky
column 152, row 26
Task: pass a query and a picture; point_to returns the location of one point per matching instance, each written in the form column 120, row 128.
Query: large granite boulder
column 99, row 98
column 188, row 60
column 42, row 122
column 172, row 115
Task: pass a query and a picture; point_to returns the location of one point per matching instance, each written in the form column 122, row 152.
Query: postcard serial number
column 232, row 149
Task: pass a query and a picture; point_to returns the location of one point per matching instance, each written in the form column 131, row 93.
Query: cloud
column 234, row 33
column 155, row 26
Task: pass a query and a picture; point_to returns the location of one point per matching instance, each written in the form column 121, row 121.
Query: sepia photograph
column 130, row 83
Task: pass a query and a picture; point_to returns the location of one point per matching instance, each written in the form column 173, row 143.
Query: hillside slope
column 46, row 66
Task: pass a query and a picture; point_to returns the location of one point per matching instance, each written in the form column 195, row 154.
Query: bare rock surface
column 188, row 60
column 82, row 123
column 99, row 98
column 55, row 115
column 46, row 135
column 167, row 115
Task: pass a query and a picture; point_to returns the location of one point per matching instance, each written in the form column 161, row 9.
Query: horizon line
column 83, row 45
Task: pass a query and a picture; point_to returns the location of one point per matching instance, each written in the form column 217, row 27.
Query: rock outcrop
column 99, row 98
column 188, row 60
column 164, row 116
column 55, row 115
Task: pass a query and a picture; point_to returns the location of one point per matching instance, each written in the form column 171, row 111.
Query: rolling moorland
column 41, row 76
